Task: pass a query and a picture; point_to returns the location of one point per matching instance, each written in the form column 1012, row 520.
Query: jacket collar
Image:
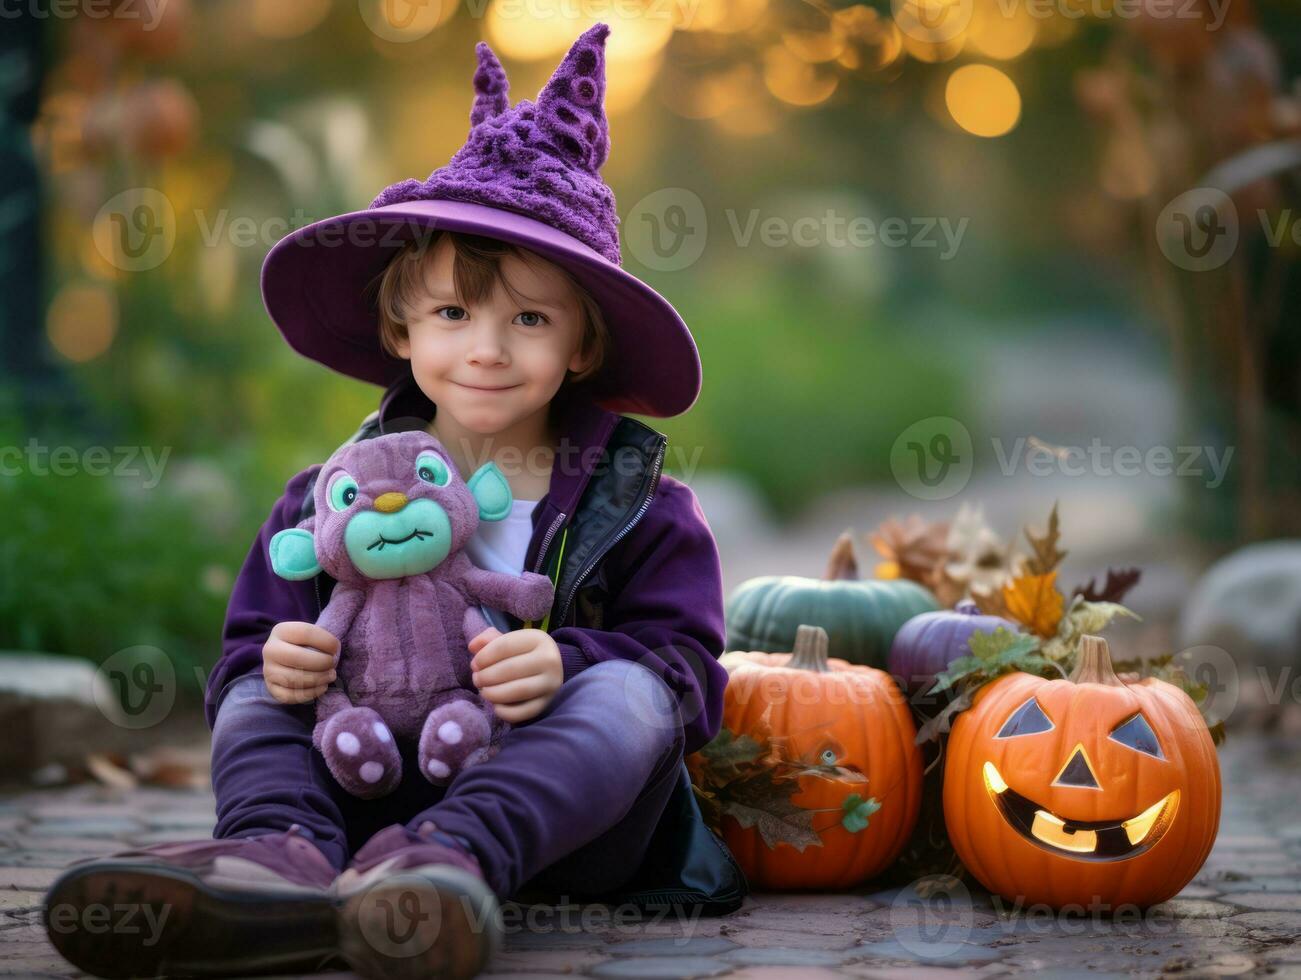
column 584, row 430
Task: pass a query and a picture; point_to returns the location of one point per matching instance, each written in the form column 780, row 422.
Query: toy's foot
column 361, row 752
column 453, row 733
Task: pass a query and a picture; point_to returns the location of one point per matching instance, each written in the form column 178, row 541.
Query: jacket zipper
column 546, row 540
column 602, row 551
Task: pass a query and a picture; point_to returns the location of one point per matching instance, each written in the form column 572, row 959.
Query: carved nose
column 387, row 503
column 1077, row 771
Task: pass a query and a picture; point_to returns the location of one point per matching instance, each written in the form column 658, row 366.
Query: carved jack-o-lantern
column 1087, row 791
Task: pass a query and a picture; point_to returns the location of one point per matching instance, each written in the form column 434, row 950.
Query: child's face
column 498, row 361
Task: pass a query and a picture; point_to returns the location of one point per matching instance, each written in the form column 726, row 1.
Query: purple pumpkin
column 929, row 642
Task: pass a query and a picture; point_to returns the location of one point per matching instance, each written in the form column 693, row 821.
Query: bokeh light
column 82, row 321
column 982, row 100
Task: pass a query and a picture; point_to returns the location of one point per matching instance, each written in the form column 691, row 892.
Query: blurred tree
column 31, row 380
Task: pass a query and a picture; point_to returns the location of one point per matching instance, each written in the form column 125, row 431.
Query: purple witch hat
column 528, row 174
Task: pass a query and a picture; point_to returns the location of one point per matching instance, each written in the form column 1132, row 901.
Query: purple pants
column 566, row 806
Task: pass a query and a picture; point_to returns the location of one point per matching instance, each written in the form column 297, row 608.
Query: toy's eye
column 343, row 491
column 1137, row 734
column 1029, row 719
column 432, row 468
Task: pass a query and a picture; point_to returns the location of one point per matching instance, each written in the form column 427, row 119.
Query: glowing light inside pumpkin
column 1138, row 828
column 993, row 780
column 1093, row 841
column 1052, row 830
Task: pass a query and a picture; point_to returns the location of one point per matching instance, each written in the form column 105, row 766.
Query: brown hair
column 476, row 267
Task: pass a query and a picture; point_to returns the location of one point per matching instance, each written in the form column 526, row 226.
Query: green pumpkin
column 860, row 616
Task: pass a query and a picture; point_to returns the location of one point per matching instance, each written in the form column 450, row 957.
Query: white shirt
column 501, row 546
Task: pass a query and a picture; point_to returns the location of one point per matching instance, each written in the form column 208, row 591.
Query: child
column 503, row 324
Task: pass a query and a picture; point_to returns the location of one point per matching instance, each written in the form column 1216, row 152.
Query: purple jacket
column 639, row 583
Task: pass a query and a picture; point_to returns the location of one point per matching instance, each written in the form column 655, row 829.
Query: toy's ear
column 293, row 554
column 492, row 492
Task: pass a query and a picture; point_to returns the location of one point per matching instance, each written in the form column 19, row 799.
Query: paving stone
column 700, row 946
column 662, row 967
column 67, row 846
column 33, row 859
column 81, row 810
column 1269, row 901
column 48, row 965
column 1261, row 884
column 793, row 940
column 1291, row 953
column 916, row 948
column 198, row 820
column 1273, row 923
column 90, row 827
column 827, row 922
column 783, row 956
column 554, row 939
column 1285, row 971
column 20, row 898
column 547, row 961
column 1245, row 842
column 1199, row 891
column 13, row 877
column 168, row 836
column 877, row 972
column 1192, row 908
column 783, row 973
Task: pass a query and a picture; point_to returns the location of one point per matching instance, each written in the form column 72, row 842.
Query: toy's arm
column 339, row 613
column 526, row 596
column 336, row 619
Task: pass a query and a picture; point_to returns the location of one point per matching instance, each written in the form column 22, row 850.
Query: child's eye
column 531, row 319
column 454, row 313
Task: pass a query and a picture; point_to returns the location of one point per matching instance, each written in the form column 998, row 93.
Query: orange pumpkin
column 830, row 712
column 1086, row 792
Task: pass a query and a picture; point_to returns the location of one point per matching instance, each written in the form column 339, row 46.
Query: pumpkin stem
column 1094, row 664
column 810, row 650
column 842, row 565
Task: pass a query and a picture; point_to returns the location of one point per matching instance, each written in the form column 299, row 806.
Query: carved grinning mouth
column 1099, row 840
column 381, row 541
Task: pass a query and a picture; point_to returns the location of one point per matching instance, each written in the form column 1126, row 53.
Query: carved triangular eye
column 1137, row 734
column 1028, row 719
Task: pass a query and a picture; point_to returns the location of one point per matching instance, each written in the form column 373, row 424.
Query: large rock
column 1249, row 603
column 50, row 712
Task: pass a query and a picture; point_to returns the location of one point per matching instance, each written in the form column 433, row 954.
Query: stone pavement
column 1242, row 915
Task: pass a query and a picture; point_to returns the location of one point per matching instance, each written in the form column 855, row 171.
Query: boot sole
column 108, row 920
column 437, row 921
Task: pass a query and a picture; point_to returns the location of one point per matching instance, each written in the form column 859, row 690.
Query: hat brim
column 314, row 286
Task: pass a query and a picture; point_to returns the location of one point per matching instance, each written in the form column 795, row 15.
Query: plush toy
column 392, row 516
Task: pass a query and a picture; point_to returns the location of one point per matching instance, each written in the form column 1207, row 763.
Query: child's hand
column 519, row 672
column 298, row 661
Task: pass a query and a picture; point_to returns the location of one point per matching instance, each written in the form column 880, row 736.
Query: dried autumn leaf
column 111, row 770
column 1114, row 589
column 916, row 547
column 1045, row 555
column 990, row 603
column 760, row 802
column 1033, row 600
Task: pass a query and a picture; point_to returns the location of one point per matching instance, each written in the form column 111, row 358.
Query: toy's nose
column 387, row 503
